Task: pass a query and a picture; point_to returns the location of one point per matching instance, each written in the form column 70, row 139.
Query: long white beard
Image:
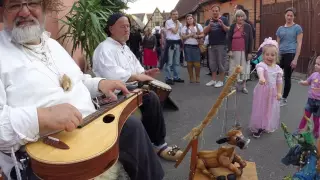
column 26, row 34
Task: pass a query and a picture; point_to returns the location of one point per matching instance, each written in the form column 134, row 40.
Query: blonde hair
column 239, row 13
column 267, row 46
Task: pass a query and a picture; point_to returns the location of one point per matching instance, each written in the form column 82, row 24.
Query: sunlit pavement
column 195, row 100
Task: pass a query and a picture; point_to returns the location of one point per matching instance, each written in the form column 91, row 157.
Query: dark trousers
column 136, row 154
column 285, row 64
column 152, row 118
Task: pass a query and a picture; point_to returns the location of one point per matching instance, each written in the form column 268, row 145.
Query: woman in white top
column 191, row 34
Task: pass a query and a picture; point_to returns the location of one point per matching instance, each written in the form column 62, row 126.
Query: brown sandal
column 170, row 153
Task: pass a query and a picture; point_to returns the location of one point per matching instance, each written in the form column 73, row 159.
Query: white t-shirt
column 194, row 30
column 169, row 34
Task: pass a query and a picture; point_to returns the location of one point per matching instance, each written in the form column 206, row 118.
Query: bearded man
column 42, row 90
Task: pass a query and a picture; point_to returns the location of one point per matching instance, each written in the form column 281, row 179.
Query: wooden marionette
column 222, row 163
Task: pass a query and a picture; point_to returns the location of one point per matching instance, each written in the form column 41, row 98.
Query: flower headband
column 269, row 41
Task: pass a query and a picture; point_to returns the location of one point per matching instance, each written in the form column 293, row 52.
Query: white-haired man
column 33, row 102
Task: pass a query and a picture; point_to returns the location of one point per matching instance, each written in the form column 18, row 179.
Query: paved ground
column 195, row 100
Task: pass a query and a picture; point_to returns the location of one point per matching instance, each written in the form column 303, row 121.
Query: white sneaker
column 211, row 83
column 218, row 84
column 283, row 102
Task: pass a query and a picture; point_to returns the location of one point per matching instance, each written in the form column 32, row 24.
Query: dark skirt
column 192, row 53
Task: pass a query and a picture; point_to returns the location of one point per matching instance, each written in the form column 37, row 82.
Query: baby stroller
column 255, row 60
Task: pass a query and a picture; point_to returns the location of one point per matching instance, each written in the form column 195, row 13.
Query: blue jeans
column 173, row 61
column 313, row 106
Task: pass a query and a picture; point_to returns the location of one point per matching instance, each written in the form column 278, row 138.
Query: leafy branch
column 84, row 24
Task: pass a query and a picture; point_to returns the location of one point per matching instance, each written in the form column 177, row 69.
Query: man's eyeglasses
column 16, row 7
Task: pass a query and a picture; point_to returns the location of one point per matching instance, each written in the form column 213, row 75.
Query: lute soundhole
column 108, row 118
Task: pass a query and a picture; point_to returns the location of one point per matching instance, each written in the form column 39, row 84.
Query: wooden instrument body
column 93, row 148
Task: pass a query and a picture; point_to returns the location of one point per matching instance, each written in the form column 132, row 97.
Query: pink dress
column 265, row 106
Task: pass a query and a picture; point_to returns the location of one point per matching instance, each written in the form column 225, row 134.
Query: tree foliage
column 84, row 24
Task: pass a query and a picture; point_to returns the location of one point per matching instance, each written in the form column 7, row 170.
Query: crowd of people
column 227, row 45
column 39, row 103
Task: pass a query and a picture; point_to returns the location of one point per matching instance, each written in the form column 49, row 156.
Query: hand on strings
column 59, row 117
column 107, row 87
column 262, row 81
column 152, row 72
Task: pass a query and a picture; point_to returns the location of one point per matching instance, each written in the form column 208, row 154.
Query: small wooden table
column 249, row 173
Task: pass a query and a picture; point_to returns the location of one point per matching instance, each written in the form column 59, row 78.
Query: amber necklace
column 64, row 80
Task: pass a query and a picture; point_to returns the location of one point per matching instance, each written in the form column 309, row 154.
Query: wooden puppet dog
column 220, row 163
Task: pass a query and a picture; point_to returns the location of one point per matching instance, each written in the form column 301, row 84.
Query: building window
column 157, row 23
column 200, row 17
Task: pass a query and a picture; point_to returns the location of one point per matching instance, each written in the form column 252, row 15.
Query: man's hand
column 152, row 72
column 109, row 86
column 220, row 22
column 59, row 117
column 211, row 22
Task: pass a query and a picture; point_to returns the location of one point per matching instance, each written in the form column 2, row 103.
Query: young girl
column 265, row 116
column 313, row 103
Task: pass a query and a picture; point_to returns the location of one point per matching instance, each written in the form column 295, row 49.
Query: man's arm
column 17, row 125
column 207, row 27
column 225, row 24
column 173, row 27
column 92, row 84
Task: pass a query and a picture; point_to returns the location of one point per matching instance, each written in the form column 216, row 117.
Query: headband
column 269, row 41
column 112, row 20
